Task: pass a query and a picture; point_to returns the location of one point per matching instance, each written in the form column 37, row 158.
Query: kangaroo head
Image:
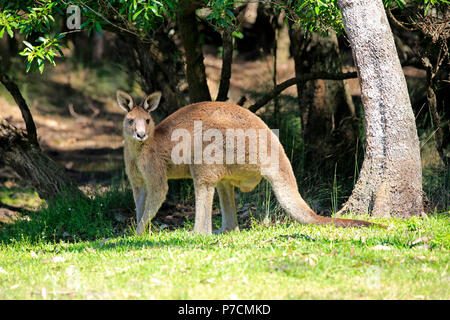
column 138, row 123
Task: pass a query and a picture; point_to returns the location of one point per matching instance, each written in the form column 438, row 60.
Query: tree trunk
column 158, row 64
column 227, row 59
column 327, row 112
column 160, row 71
column 33, row 166
column 11, row 86
column 390, row 181
column 195, row 68
column 21, row 152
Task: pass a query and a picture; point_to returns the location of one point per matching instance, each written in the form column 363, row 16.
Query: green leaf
column 136, row 14
column 29, row 45
column 317, row 10
column 98, row 27
column 41, row 66
column 25, row 53
column 29, row 65
column 238, row 34
column 10, row 32
column 2, row 32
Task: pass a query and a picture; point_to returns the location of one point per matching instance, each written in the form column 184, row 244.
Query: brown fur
column 149, row 165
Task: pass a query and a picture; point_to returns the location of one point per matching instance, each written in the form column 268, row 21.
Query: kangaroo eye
column 148, row 121
column 130, row 121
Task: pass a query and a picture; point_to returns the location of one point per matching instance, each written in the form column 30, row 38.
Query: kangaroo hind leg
column 228, row 206
column 204, row 195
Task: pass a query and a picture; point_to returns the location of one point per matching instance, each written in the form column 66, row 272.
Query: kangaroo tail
column 285, row 187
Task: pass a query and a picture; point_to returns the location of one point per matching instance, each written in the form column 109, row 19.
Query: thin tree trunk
column 327, row 112
column 155, row 77
column 11, row 86
column 227, row 59
column 195, row 68
column 299, row 44
column 439, row 135
column 276, row 104
column 22, row 153
column 390, row 181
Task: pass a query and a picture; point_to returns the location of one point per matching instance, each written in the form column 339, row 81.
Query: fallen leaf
column 423, row 247
column 207, row 281
column 89, row 249
column 382, row 247
column 420, row 240
column 311, row 260
column 155, row 281
column 55, row 260
column 104, row 241
column 44, row 293
column 421, row 258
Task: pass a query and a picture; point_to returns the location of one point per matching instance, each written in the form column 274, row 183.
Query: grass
column 40, row 258
column 19, row 197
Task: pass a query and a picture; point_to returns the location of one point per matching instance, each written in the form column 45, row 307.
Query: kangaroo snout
column 141, row 136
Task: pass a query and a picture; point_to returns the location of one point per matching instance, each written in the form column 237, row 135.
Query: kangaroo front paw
column 140, row 229
column 204, row 231
column 223, row 230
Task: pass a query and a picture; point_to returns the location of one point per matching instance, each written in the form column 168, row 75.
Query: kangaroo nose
column 140, row 135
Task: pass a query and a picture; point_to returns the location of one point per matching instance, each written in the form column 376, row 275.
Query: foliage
column 313, row 15
column 40, row 23
column 137, row 18
column 29, row 18
column 424, row 5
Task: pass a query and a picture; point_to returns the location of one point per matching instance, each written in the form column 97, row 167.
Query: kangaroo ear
column 152, row 101
column 125, row 101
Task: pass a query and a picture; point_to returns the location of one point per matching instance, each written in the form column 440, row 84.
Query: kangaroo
column 149, row 163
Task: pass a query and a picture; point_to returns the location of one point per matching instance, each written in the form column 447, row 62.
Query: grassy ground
column 285, row 260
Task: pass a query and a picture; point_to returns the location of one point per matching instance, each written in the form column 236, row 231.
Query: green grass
column 409, row 260
column 19, row 197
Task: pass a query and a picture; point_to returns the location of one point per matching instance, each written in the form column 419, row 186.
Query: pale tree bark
column 390, row 181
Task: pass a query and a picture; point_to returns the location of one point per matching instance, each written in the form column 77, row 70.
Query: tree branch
column 305, row 77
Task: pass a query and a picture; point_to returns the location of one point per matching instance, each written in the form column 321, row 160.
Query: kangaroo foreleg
column 154, row 197
column 140, row 204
